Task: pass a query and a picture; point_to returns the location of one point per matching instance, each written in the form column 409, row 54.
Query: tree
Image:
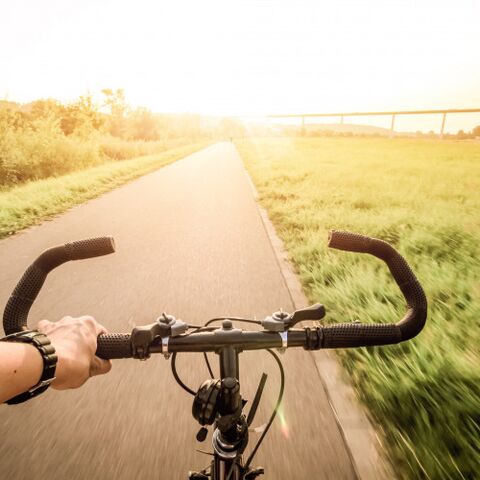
column 81, row 117
column 142, row 125
column 115, row 102
column 461, row 135
column 45, row 108
column 476, row 131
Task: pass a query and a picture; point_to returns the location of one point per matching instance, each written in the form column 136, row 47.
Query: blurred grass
column 423, row 196
column 28, row 204
column 115, row 148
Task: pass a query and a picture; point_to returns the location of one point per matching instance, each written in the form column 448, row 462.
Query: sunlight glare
column 248, row 58
column 283, row 424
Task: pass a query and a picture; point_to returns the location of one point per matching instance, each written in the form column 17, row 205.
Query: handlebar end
column 348, row 241
column 91, row 247
column 415, row 318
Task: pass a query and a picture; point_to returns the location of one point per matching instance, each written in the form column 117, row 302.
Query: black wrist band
column 43, row 345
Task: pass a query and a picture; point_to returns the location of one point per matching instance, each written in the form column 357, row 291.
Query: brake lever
column 282, row 321
column 143, row 336
column 314, row 312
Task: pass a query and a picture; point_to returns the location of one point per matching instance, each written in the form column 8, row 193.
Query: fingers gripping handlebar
column 119, row 345
column 18, row 306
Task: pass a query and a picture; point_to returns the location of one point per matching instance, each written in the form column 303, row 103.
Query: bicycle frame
column 230, row 437
column 222, row 461
column 222, row 396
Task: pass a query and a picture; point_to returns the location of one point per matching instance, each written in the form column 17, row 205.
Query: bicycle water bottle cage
column 282, row 321
column 143, row 336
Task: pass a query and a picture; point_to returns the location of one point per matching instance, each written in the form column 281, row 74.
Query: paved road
column 190, row 241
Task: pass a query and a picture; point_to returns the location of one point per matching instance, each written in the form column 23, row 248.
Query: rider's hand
column 75, row 342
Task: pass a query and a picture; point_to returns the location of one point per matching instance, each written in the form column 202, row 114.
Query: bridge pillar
column 443, row 124
column 392, row 127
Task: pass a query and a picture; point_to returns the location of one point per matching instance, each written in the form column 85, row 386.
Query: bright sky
column 246, row 57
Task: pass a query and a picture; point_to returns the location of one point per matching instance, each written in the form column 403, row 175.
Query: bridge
column 393, row 114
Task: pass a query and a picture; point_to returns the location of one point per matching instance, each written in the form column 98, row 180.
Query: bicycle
column 218, row 401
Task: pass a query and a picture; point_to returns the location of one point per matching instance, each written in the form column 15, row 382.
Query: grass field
column 424, row 197
column 25, row 205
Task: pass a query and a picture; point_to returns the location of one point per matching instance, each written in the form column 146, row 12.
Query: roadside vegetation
column 30, row 203
column 54, row 155
column 423, row 196
column 47, row 138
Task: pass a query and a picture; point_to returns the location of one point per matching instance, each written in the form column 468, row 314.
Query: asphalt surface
column 190, row 241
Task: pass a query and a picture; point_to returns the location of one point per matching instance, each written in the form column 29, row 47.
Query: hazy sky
column 246, row 57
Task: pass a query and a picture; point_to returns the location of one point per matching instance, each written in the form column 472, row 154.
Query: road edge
column 71, row 192
column 362, row 442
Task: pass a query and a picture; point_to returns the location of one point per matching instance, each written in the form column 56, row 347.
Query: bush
column 35, row 146
column 42, row 150
column 46, row 138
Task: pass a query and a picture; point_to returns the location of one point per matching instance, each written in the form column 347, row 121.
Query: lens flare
column 283, row 424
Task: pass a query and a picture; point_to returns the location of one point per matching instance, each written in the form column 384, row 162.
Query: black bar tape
column 92, row 247
column 16, row 311
column 18, row 306
column 348, row 241
column 414, row 320
column 344, row 335
column 114, row 345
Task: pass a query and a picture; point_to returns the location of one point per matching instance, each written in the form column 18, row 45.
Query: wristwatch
column 43, row 345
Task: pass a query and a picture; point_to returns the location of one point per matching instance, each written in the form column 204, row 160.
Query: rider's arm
column 21, row 367
column 75, row 343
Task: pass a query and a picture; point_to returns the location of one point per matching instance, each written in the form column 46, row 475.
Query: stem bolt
column 227, row 325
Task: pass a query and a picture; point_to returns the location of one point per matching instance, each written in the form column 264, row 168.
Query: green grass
column 28, row 204
column 424, row 197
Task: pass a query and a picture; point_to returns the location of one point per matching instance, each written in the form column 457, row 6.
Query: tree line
column 47, row 137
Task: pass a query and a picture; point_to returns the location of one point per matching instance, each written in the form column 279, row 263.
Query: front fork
column 227, row 470
column 228, row 464
column 223, row 468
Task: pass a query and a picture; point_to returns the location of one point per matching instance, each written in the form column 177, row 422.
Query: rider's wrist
column 34, row 361
column 45, row 349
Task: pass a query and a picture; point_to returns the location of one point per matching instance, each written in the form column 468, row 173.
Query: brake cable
column 272, row 417
column 233, row 319
column 203, row 328
column 176, row 376
column 261, row 386
column 275, row 411
column 210, row 371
